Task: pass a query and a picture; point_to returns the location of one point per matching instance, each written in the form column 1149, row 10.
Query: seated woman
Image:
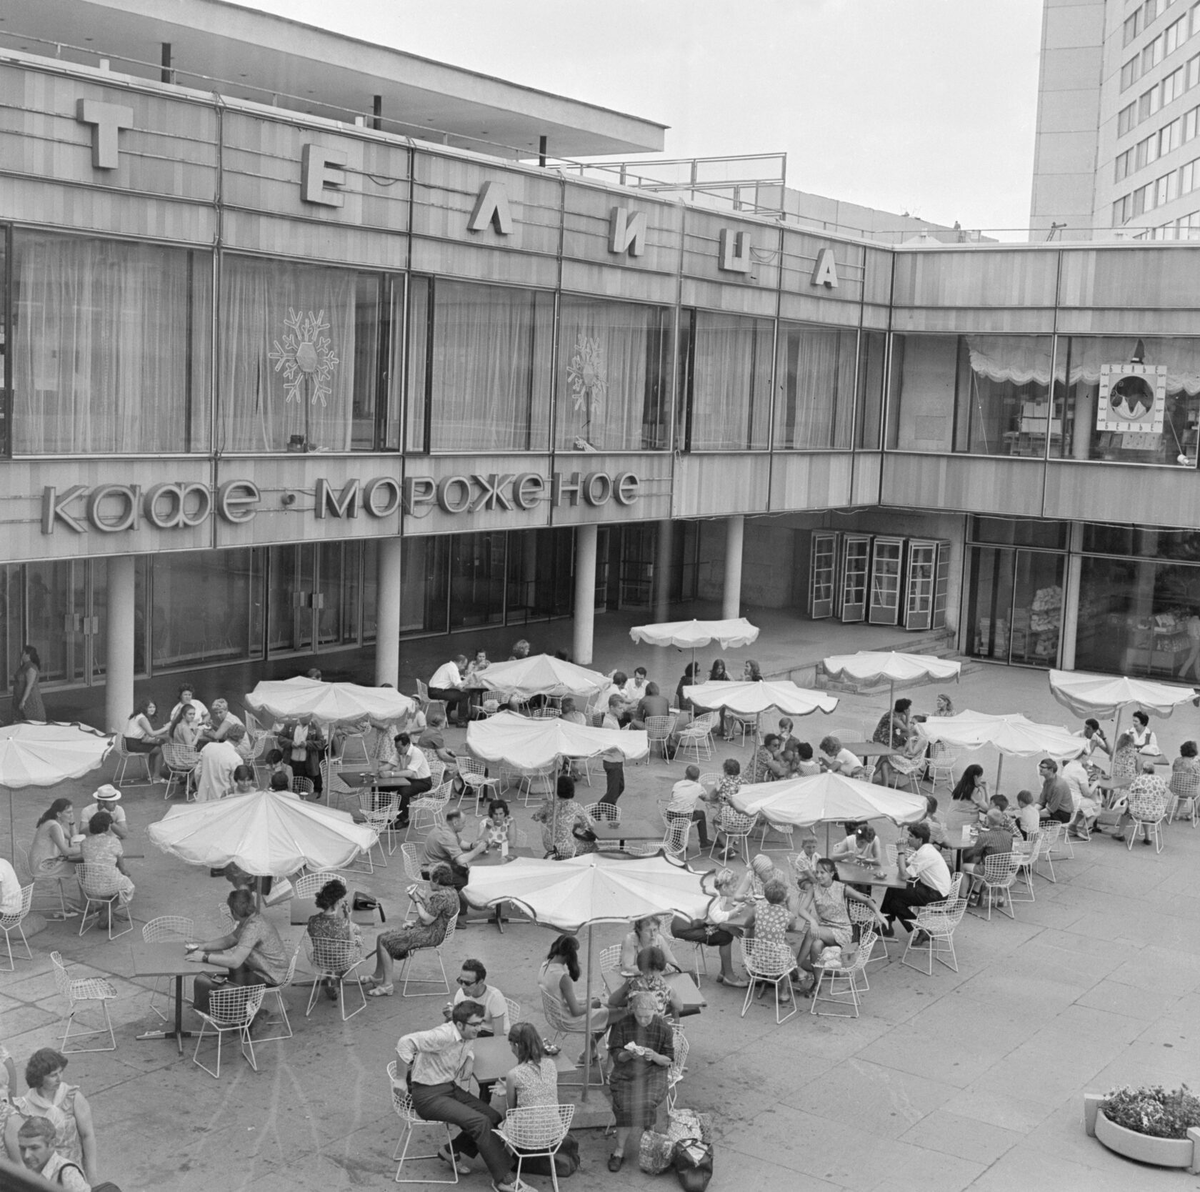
column 972, row 786
column 892, row 730
column 102, row 849
column 708, row 931
column 332, row 922
column 51, row 848
column 828, row 919
column 435, row 908
column 1185, row 772
column 937, row 825
column 996, row 837
column 773, row 918
column 651, row 966
column 559, row 977
column 566, row 827
column 1094, row 735
column 642, row 1048
column 534, row 1081
column 184, row 728
column 768, row 763
column 252, row 952
column 142, row 737
column 498, row 826
column 863, row 848
column 646, row 933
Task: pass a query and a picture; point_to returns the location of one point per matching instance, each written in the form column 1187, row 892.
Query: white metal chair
column 742, row 726
column 1147, row 812
column 437, row 950
column 514, row 1011
column 610, row 957
column 58, row 874
column 335, row 788
column 678, row 1066
column 607, row 813
column 658, row 733
column 231, row 1010
column 1185, row 789
column 698, row 736
column 736, row 828
column 277, row 991
column 127, row 759
column 941, row 766
column 998, row 876
column 769, row 963
column 938, row 920
column 847, row 997
column 425, row 811
column 12, row 922
column 1051, row 833
column 863, row 917
column 335, row 960
column 411, row 854
column 166, row 929
column 561, row 1024
column 1026, row 865
column 536, row 1130
column 474, row 775
column 98, row 885
column 308, row 885
column 679, row 834
column 302, row 786
column 83, row 989
column 181, row 763
column 403, row 1105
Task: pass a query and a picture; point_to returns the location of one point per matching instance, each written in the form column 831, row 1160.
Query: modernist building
column 1118, row 119
column 281, row 383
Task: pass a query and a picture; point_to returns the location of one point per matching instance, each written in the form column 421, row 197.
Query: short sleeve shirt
column 266, row 948
column 494, row 1005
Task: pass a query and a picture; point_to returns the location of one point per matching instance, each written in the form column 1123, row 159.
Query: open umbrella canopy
column 306, row 700
column 533, row 744
column 264, row 832
column 1013, row 733
column 878, row 666
column 37, row 753
column 594, row 888
column 540, row 674
column 694, row 635
column 750, row 698
column 822, row 798
column 1107, row 695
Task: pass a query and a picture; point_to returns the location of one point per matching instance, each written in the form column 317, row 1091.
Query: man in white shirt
column 446, row 685
column 106, row 799
column 432, row 1063
column 218, row 760
column 10, row 889
column 686, row 796
column 636, row 687
column 613, row 758
column 928, row 878
column 35, row 1141
column 473, row 987
column 410, row 776
column 1075, row 775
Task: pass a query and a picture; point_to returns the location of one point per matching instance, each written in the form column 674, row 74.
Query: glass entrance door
column 290, row 599
column 1014, row 605
column 66, row 621
column 639, row 545
column 886, row 557
column 856, row 566
column 822, row 575
column 919, row 584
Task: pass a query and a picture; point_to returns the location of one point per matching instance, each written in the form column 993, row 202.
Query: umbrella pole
column 999, row 771
column 891, row 711
column 587, row 1022
column 12, row 831
column 1116, row 733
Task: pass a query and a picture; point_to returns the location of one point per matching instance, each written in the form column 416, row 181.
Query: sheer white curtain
column 730, row 382
column 273, row 313
column 491, row 368
column 603, row 383
column 815, row 384
column 101, row 351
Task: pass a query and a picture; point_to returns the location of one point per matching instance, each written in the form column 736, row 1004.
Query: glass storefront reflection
column 1015, row 605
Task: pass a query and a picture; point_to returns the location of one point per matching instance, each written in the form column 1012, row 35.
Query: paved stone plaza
column 967, row 1080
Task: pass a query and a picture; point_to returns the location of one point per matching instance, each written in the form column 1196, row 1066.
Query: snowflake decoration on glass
column 305, row 354
column 586, row 376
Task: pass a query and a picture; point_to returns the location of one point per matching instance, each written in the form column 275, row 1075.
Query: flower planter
column 1162, row 1152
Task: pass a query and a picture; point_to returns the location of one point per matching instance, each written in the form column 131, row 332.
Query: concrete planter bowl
column 1160, row 1152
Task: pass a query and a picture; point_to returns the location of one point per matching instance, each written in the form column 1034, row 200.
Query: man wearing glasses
column 434, row 1062
column 473, row 986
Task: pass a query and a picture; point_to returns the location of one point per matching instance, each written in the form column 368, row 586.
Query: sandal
column 381, row 991
column 732, row 982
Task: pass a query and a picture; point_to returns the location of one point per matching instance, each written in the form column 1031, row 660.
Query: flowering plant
column 1154, row 1111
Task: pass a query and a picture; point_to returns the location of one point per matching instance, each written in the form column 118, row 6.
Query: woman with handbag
column 642, row 1048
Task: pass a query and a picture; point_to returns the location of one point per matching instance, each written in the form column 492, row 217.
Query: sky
column 919, row 106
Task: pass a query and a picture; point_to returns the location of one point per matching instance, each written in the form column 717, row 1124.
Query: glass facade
column 728, row 383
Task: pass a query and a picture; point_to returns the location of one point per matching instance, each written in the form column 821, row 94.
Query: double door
column 67, row 608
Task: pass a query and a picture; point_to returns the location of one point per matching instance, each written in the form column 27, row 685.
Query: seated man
column 432, row 1063
column 927, row 875
column 1029, row 815
column 569, row 711
column 445, row 843
column 446, row 684
column 107, row 798
column 636, row 687
column 36, row 1140
column 472, row 986
column 686, row 796
column 409, row 777
column 220, row 721
column 1056, row 794
column 652, row 703
column 996, row 837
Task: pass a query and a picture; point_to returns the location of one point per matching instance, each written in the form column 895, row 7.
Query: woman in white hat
column 107, row 798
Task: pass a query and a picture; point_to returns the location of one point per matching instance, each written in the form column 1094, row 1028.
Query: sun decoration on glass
column 305, row 357
column 585, row 373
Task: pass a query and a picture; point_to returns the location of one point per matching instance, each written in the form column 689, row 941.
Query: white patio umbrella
column 730, row 634
column 45, row 753
column 1013, row 733
column 307, row 700
column 534, row 744
column 746, row 698
column 263, row 833
column 540, row 674
column 595, row 888
column 1108, row 696
column 874, row 666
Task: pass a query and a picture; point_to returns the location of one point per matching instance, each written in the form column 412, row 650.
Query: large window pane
column 290, row 598
column 300, row 357
column 614, row 368
column 1014, row 605
column 12, row 618
column 424, row 568
column 730, row 383
column 983, row 394
column 480, row 375
column 110, row 346
column 1088, row 367
column 872, row 346
column 540, row 574
column 477, row 579
column 814, row 383
column 207, row 606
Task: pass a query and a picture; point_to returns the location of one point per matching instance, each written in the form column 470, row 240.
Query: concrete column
column 387, row 613
column 731, row 600
column 118, row 646
column 662, row 570
column 585, row 593
column 1071, row 594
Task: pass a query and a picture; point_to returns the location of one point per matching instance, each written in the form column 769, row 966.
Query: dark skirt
column 636, row 1098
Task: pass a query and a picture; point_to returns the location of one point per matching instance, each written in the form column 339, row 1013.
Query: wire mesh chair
column 334, row 960
column 437, row 949
column 474, row 775
column 57, row 874
column 736, row 828
column 850, row 974
column 277, row 991
column 425, row 811
column 561, row 1024
column 1051, row 832
column 658, row 733
column 1146, row 811
column 302, row 786
column 166, row 929
column 938, row 921
column 606, row 813
column 1185, row 788
column 12, row 922
column 536, row 1130
column 181, row 763
column 1026, row 864
column 309, row 885
column 231, row 1010
column 99, row 886
column 83, row 989
column 129, row 758
column 261, row 744
column 675, row 1072
column 998, row 875
column 335, row 787
column 411, row 854
column 941, row 766
column 698, row 736
column 768, row 963
column 863, row 917
column 403, row 1105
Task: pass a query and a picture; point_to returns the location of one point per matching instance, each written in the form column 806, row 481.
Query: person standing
column 686, row 796
column 613, row 758
column 27, row 693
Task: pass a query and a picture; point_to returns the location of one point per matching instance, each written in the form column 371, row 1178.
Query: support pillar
column 1071, row 594
column 662, row 570
column 585, row 593
column 731, row 597
column 387, row 613
column 119, row 639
